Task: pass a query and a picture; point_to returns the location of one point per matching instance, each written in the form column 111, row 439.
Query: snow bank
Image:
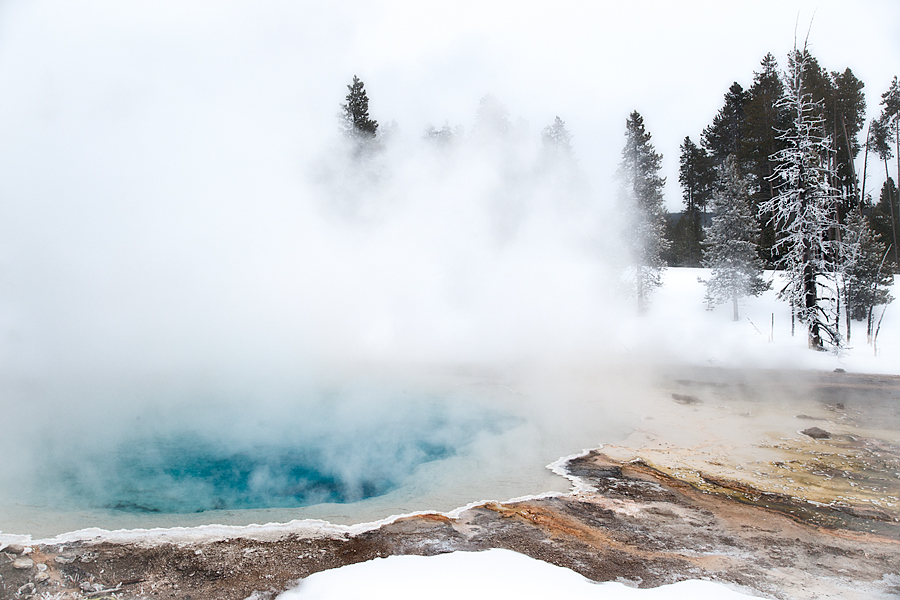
column 481, row 575
column 678, row 327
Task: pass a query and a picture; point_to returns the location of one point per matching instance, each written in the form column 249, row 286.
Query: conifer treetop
column 643, row 207
column 354, row 116
column 556, row 136
column 731, row 241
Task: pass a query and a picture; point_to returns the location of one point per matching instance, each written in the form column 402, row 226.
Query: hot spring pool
column 179, row 452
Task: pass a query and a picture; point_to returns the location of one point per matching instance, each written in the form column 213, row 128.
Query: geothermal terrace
column 782, row 484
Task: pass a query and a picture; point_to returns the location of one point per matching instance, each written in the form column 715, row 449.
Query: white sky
column 102, row 62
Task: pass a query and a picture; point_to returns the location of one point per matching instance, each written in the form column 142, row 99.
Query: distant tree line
column 791, row 141
column 771, row 184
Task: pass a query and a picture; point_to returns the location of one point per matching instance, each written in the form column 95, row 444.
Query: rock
column 816, row 433
column 23, row 563
column 684, row 399
column 839, row 370
column 41, row 567
column 64, row 559
column 42, row 577
column 14, row 549
column 808, row 418
column 839, row 406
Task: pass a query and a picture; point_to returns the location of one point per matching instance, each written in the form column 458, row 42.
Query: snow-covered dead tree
column 804, row 212
column 729, row 249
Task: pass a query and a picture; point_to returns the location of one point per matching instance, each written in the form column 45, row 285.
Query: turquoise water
column 172, row 452
column 188, row 473
column 192, row 450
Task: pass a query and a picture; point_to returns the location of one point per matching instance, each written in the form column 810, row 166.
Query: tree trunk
column 639, row 273
column 846, row 308
column 869, row 324
column 793, row 317
column 809, row 295
column 853, row 178
column 897, row 182
column 837, row 311
column 848, row 326
column 862, row 194
column 734, row 303
column 893, row 220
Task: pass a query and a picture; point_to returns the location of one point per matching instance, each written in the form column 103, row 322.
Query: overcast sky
column 123, row 64
column 137, row 137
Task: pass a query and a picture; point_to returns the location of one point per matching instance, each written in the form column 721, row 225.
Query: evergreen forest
column 772, row 183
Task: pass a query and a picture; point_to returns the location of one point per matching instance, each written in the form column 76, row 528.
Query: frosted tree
column 354, row 119
column 492, row 118
column 443, row 137
column 866, row 281
column 643, row 207
column 804, row 211
column 556, row 162
column 730, row 244
column 354, row 116
column 557, row 139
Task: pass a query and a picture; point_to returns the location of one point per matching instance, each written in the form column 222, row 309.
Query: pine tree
column 354, row 116
column 890, row 113
column 804, row 211
column 556, row 166
column 696, row 175
column 889, row 130
column 866, row 281
column 880, row 141
column 881, row 221
column 764, row 119
column 443, row 137
column 557, row 139
column 643, row 205
column 842, row 108
column 845, row 115
column 492, row 118
column 730, row 245
column 724, row 136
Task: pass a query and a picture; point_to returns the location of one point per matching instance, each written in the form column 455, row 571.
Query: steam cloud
column 190, row 263
column 186, row 243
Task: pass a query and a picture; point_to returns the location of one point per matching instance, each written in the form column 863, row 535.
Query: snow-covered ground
column 678, row 327
column 493, row 574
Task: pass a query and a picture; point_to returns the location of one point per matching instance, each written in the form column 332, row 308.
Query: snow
column 490, row 574
column 678, row 328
